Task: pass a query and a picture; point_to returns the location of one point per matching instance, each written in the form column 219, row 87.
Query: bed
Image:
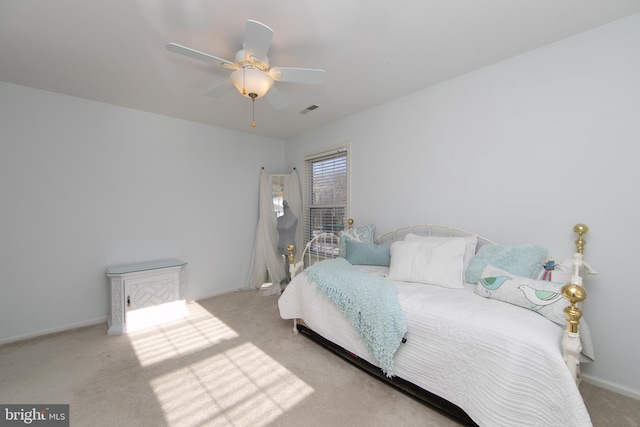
column 467, row 348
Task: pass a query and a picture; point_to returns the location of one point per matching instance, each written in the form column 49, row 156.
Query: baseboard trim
column 611, row 386
column 59, row 329
column 215, row 294
column 96, row 321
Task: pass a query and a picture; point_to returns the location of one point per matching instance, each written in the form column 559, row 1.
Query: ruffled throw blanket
column 368, row 301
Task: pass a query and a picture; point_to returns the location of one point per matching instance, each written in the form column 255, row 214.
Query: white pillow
column 432, row 262
column 469, row 241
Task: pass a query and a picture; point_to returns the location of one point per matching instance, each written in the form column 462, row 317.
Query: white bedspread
column 500, row 363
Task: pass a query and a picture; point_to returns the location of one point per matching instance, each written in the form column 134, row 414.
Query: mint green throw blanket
column 368, row 301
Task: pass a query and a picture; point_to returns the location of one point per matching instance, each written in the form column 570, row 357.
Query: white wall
column 85, row 185
column 520, row 151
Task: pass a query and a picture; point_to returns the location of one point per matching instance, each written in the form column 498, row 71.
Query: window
column 326, row 195
column 277, row 194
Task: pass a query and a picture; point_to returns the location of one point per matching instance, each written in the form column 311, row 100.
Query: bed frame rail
column 322, row 246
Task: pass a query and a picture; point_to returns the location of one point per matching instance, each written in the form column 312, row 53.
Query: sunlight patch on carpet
column 241, row 386
column 181, row 337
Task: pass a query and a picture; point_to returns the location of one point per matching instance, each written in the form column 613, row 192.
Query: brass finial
column 290, row 248
column 350, row 222
column 580, row 230
column 574, row 294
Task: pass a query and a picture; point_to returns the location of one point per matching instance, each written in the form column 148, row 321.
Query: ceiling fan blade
column 298, row 75
column 257, row 40
column 187, row 51
column 220, row 90
column 276, row 99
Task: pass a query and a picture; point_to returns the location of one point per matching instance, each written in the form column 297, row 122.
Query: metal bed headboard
column 430, row 230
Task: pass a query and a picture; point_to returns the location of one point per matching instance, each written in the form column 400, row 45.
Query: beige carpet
column 231, row 362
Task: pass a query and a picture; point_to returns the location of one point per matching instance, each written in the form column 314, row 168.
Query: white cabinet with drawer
column 145, row 294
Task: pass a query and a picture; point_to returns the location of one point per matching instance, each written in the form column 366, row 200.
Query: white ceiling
column 373, row 51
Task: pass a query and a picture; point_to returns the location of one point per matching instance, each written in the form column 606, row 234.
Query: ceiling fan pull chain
column 244, row 80
column 253, row 109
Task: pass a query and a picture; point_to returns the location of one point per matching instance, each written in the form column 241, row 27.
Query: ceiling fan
column 252, row 74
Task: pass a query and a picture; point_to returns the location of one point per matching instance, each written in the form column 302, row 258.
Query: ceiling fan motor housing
column 245, row 59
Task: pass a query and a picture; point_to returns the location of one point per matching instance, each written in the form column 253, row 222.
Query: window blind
column 326, row 198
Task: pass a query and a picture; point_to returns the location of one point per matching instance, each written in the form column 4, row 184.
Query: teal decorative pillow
column 540, row 296
column 361, row 234
column 526, row 261
column 359, row 253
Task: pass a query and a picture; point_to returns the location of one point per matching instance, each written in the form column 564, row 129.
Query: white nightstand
column 146, row 294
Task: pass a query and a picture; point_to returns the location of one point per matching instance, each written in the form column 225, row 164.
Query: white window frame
column 318, row 156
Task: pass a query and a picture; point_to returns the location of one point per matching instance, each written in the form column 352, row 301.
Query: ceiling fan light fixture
column 251, row 81
column 253, row 77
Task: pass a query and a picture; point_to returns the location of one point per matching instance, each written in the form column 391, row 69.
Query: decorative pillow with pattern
column 541, row 296
column 362, row 234
column 526, row 261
